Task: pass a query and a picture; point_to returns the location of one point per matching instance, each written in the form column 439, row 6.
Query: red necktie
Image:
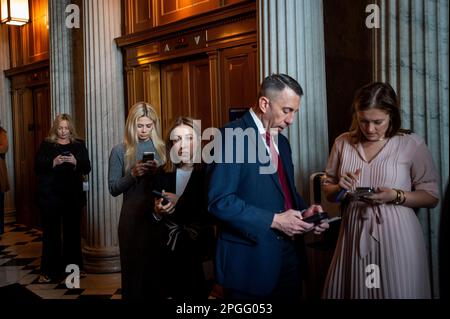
column 281, row 175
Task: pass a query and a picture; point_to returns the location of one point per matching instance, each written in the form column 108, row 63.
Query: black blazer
column 61, row 185
column 190, row 212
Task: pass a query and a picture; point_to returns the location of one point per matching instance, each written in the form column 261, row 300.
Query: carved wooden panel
column 30, row 43
column 174, row 10
column 238, row 78
column 143, row 84
column 175, row 93
column 36, row 33
column 31, row 121
column 186, row 91
column 138, row 15
column 200, row 92
column 42, row 120
column 207, row 63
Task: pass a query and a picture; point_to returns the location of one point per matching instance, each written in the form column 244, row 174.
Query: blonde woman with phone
column 132, row 176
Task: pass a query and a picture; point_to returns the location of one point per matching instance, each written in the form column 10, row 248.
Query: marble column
column 104, row 103
column 412, row 55
column 6, row 119
column 292, row 42
column 61, row 65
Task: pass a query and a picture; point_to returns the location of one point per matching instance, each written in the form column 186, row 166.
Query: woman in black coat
column 188, row 235
column 61, row 162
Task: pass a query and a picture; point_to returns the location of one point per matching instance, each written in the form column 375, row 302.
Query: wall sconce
column 15, row 12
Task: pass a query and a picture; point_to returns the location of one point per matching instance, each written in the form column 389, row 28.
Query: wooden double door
column 31, row 122
column 207, row 87
column 185, row 88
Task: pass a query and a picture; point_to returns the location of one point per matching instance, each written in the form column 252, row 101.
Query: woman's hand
column 70, row 159
column 381, row 196
column 139, row 169
column 169, row 208
column 349, row 180
column 171, row 197
column 151, row 166
column 58, row 160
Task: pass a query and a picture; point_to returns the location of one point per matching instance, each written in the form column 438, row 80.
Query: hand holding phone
column 362, row 193
column 316, row 218
column 157, row 194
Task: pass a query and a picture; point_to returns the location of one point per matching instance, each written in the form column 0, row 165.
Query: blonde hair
column 53, row 133
column 182, row 120
column 131, row 139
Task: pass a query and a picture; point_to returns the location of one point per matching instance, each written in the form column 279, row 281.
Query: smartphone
column 148, row 157
column 161, row 195
column 65, row 153
column 316, row 219
column 364, row 191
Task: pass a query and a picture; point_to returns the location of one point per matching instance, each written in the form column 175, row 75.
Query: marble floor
column 20, row 252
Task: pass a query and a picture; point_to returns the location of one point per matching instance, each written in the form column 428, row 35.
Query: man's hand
column 314, row 209
column 290, row 222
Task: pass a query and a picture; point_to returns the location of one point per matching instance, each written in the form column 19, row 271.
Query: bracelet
column 403, row 198
column 400, row 198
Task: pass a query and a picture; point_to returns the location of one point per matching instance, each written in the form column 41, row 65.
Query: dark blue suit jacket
column 248, row 256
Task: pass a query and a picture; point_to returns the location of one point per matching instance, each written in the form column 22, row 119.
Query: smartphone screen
column 148, row 156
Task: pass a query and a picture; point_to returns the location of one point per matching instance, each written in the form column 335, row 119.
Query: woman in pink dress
column 381, row 251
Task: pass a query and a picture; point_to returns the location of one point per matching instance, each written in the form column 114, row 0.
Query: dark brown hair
column 381, row 96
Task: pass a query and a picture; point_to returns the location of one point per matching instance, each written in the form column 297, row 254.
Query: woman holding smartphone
column 132, row 176
column 61, row 162
column 187, row 232
column 380, row 253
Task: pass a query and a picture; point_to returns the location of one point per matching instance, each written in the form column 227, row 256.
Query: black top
column 190, row 213
column 62, row 184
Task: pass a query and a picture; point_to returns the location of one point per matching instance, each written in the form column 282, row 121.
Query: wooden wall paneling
column 238, row 78
column 30, row 42
column 214, row 84
column 175, row 93
column 153, row 85
column 139, row 88
column 41, row 114
column 30, row 94
column 15, row 46
column 168, row 11
column 36, row 33
column 238, row 32
column 24, row 156
column 143, row 84
column 200, row 92
column 130, row 87
column 138, row 15
column 221, row 16
column 230, row 2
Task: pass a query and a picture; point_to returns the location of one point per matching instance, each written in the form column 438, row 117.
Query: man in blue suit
column 258, row 208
